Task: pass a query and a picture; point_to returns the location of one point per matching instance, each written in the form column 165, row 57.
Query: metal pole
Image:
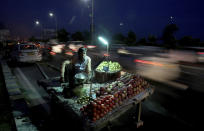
column 107, row 49
column 92, row 21
column 42, row 33
column 56, row 25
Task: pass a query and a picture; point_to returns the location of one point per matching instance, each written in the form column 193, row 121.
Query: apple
column 94, row 119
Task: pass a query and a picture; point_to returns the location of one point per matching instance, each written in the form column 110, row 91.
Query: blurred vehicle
column 199, row 53
column 71, row 47
column 200, row 56
column 25, row 52
column 58, row 48
column 122, row 51
column 75, row 45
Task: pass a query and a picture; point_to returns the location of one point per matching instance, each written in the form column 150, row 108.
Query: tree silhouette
column 119, row 38
column 168, row 37
column 196, row 42
column 142, row 41
column 87, row 35
column 131, row 38
column 185, row 41
column 189, row 41
column 152, row 39
column 32, row 39
column 77, row 36
column 63, row 35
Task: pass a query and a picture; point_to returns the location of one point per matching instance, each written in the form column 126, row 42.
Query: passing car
column 200, row 55
column 25, row 52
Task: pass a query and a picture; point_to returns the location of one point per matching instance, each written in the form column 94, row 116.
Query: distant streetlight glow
column 37, row 22
column 51, row 14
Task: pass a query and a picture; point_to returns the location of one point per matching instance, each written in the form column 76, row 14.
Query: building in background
column 4, row 35
column 4, row 38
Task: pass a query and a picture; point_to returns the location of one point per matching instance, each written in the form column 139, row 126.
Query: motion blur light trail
column 165, row 72
column 106, row 54
column 52, row 53
column 200, row 53
column 69, row 53
column 57, row 48
column 90, row 46
column 148, row 62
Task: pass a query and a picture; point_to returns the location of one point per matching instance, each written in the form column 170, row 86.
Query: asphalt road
column 171, row 106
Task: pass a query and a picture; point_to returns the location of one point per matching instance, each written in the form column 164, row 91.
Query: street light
column 37, row 22
column 105, row 42
column 52, row 15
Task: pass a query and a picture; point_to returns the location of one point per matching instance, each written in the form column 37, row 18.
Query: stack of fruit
column 112, row 67
column 99, row 107
column 84, row 100
column 107, row 70
column 114, row 95
column 129, row 85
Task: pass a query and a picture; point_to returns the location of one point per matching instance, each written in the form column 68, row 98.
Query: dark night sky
column 144, row 17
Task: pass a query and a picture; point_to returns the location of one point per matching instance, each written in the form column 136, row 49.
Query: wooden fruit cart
column 130, row 94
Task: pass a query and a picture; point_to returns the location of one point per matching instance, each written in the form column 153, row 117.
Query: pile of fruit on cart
column 107, row 70
column 113, row 95
column 112, row 66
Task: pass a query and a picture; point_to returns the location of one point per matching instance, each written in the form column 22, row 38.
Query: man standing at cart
column 81, row 63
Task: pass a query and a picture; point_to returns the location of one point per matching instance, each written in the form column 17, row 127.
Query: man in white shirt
column 81, row 63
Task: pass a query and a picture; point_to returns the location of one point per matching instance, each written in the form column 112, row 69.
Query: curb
column 18, row 104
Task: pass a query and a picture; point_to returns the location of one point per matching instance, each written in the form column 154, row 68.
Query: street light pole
column 92, row 21
column 52, row 15
column 39, row 24
column 56, row 26
column 107, row 50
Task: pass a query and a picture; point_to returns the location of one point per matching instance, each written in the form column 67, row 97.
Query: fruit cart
column 104, row 102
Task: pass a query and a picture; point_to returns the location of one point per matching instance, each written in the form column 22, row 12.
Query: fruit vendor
column 80, row 63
